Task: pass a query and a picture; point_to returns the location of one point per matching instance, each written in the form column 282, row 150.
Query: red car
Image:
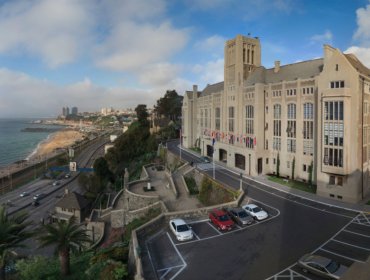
column 221, row 220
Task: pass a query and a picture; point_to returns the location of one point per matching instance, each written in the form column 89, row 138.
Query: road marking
column 164, row 274
column 225, row 233
column 180, row 256
column 365, row 217
column 166, row 268
column 333, row 253
column 196, row 235
column 214, row 228
column 284, row 191
column 361, row 224
column 150, row 257
column 346, row 230
column 291, row 276
column 345, row 243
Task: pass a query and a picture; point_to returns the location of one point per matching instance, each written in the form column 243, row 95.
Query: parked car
column 221, row 219
column 181, row 230
column 23, row 194
column 204, row 159
column 240, row 216
column 322, row 266
column 38, row 196
column 56, row 183
column 255, row 211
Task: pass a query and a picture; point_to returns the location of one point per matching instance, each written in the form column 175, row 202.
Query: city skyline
column 95, row 54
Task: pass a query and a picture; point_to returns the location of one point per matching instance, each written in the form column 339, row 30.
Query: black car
column 38, row 196
column 240, row 216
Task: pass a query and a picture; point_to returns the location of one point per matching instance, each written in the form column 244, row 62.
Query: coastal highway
column 40, row 213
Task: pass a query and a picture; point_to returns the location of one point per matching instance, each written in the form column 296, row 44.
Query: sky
column 121, row 53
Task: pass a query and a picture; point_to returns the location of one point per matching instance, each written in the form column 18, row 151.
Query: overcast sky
column 119, row 53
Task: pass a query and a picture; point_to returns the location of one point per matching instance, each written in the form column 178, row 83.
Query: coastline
column 58, row 140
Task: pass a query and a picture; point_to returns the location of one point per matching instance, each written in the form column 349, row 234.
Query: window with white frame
column 308, row 125
column 291, row 128
column 277, row 128
column 249, row 119
column 231, row 118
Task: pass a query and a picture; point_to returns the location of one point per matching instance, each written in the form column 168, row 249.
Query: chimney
column 277, row 66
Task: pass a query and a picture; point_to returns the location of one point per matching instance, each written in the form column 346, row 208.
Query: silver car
column 322, row 266
column 181, row 230
column 240, row 216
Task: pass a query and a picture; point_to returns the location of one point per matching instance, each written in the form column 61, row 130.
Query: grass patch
column 293, row 184
column 196, row 149
column 212, row 193
column 192, row 185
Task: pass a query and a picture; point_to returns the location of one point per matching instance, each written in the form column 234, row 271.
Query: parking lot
column 163, row 249
column 350, row 244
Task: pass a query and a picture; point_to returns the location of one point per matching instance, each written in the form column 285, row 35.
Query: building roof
column 72, row 200
column 214, row 88
column 290, row 72
column 357, row 64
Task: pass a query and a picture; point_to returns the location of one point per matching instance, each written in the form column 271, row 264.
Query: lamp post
column 241, row 182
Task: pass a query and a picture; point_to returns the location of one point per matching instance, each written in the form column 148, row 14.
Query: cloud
column 130, row 46
column 362, row 33
column 44, row 28
column 209, row 73
column 213, row 45
column 362, row 36
column 325, row 38
column 363, row 54
column 43, row 98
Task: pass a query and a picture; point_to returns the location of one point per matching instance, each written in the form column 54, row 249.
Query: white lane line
column 197, row 222
column 164, row 274
column 225, row 233
column 290, row 276
column 348, row 244
column 176, row 266
column 361, row 224
column 333, row 253
column 287, row 192
column 150, row 257
column 210, row 224
column 180, row 256
column 352, row 232
column 365, row 217
column 196, row 236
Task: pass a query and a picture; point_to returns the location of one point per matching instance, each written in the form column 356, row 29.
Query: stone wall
column 136, row 201
column 171, row 183
column 95, row 230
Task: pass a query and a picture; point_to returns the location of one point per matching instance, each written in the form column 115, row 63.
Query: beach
column 58, row 140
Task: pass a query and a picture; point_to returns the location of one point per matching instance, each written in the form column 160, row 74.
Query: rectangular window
column 332, row 180
column 304, row 167
column 217, row 118
column 267, row 160
column 337, row 84
column 340, row 181
column 274, row 160
column 231, row 119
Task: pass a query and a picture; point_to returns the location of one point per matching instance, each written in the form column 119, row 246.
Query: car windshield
column 256, row 209
column 242, row 214
column 223, row 218
column 182, row 228
column 332, row 266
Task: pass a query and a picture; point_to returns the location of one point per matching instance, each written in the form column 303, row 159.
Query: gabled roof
column 290, row 72
column 72, row 200
column 214, row 88
column 357, row 64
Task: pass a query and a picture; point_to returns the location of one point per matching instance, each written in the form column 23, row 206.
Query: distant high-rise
column 64, row 112
column 74, row 110
column 67, row 111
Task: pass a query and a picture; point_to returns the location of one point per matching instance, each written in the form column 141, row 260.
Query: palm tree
column 13, row 231
column 66, row 236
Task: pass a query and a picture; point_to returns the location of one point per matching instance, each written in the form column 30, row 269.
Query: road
column 52, row 195
column 265, row 250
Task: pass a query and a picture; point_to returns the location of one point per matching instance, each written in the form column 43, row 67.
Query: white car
column 181, row 230
column 23, row 194
column 255, row 211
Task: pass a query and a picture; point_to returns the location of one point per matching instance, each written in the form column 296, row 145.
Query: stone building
column 311, row 115
column 72, row 204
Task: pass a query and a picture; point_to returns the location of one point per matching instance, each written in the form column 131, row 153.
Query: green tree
column 310, row 173
column 170, row 105
column 278, row 166
column 102, row 171
column 142, row 115
column 67, row 236
column 13, row 232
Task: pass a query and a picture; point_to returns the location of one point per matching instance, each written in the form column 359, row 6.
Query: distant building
column 107, row 111
column 74, row 111
column 308, row 120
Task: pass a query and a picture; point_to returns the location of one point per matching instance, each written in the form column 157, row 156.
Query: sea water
column 16, row 145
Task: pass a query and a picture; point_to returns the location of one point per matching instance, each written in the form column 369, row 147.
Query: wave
column 35, row 151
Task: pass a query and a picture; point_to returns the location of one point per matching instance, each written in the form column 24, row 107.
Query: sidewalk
column 262, row 179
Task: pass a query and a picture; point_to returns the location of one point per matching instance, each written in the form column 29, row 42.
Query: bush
column 212, row 193
column 192, row 185
column 38, row 268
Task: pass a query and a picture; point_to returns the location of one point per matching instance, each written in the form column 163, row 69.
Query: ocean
column 16, row 145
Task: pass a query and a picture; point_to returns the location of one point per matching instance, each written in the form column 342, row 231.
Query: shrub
column 192, row 185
